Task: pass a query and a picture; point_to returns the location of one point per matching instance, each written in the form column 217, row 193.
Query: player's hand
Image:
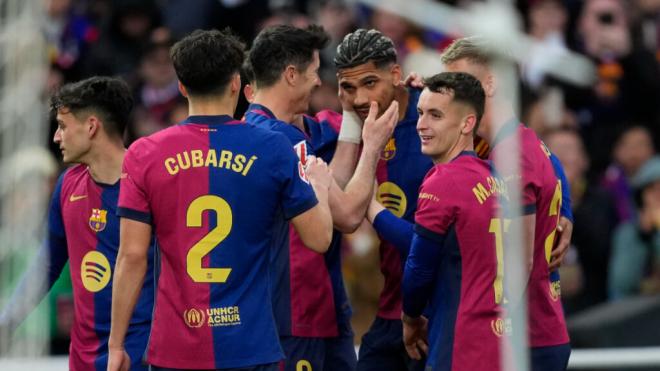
column 118, row 360
column 346, row 105
column 415, row 336
column 377, row 131
column 414, row 80
column 317, row 172
column 565, row 229
column 375, row 207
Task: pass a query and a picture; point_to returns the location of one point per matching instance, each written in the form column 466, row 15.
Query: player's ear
column 490, row 84
column 395, row 70
column 290, row 74
column 182, row 89
column 93, row 125
column 469, row 122
column 248, row 92
column 235, row 84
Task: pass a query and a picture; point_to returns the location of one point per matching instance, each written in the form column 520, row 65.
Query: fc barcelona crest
column 389, row 151
column 98, row 219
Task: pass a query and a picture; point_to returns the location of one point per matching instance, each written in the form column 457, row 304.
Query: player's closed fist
column 377, row 131
column 317, row 172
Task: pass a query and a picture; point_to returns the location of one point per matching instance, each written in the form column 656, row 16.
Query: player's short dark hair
column 247, row 73
column 463, row 87
column 205, row 61
column 364, row 46
column 109, row 98
column 474, row 48
column 277, row 47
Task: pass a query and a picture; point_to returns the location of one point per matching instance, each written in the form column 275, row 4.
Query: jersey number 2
column 210, row 241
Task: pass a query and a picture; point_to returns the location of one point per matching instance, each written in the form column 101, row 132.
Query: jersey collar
column 210, row 120
column 261, row 110
column 465, row 153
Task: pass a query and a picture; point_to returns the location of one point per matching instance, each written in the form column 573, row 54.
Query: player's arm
column 314, row 226
column 397, row 231
column 348, row 146
column 565, row 227
column 130, row 269
column 418, row 276
column 349, row 206
column 51, row 259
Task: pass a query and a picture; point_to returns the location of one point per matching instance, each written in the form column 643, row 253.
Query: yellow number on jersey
column 555, row 207
column 211, row 240
column 303, row 365
column 498, row 228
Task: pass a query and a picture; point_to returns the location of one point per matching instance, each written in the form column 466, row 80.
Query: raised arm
column 314, row 226
column 349, row 206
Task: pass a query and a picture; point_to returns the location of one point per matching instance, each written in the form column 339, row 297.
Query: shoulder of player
column 74, row 173
column 325, row 120
column 441, row 177
column 71, row 177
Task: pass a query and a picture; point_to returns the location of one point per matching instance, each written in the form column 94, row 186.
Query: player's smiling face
column 441, row 126
column 72, row 135
column 365, row 83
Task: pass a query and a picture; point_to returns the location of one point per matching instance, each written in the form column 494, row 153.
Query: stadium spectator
column 633, row 148
column 68, row 34
column 122, row 39
column 635, row 262
column 157, row 92
column 628, row 78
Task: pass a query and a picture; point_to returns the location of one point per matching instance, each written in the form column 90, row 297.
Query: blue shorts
column 382, row 349
column 268, row 367
column 318, row 354
column 552, row 358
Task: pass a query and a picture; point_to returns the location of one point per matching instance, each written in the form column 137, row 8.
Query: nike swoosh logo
column 75, row 198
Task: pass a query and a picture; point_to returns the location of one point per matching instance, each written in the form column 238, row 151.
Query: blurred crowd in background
column 605, row 135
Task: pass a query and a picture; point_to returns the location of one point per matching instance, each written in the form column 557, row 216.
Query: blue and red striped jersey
column 84, row 227
column 400, row 173
column 458, row 213
column 308, row 293
column 541, row 194
column 217, row 192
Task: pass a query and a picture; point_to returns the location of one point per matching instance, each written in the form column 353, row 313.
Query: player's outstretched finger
column 421, row 343
column 373, row 111
column 413, row 352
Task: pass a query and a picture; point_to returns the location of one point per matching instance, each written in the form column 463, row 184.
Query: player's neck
column 277, row 103
column 464, row 144
column 105, row 161
column 211, row 106
column 498, row 116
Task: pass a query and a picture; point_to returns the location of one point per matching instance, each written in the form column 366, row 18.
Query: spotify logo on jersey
column 393, row 198
column 95, row 271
